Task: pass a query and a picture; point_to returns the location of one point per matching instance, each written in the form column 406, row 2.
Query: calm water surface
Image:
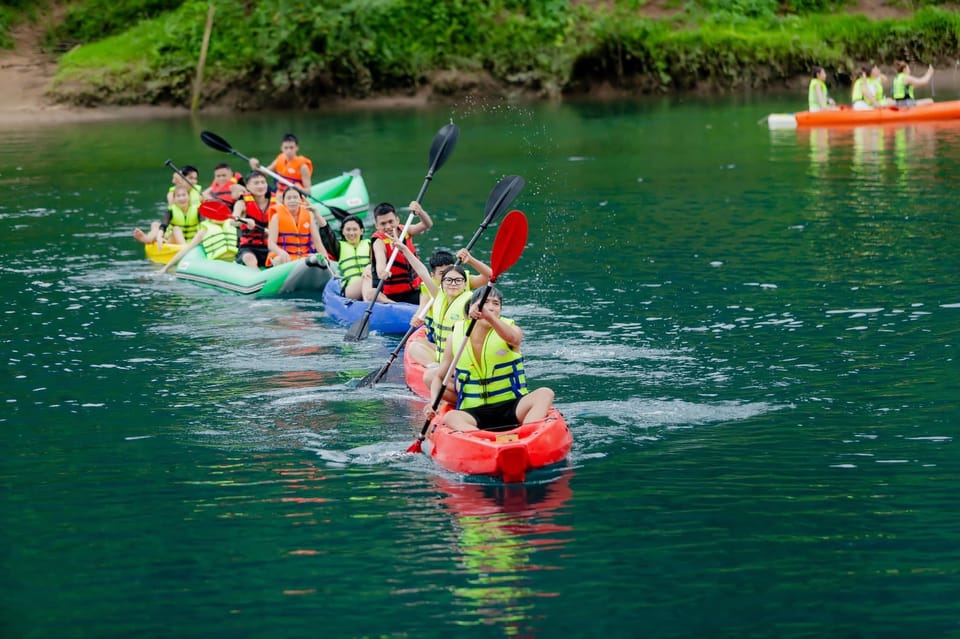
column 753, row 335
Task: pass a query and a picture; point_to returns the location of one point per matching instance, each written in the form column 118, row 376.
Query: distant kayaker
column 401, row 283
column 864, row 93
column 219, row 240
column 296, row 230
column 490, row 387
column 352, row 255
column 178, row 225
column 226, row 186
column 252, row 211
column 192, row 176
column 290, row 164
column 817, row 97
column 904, row 84
column 876, row 80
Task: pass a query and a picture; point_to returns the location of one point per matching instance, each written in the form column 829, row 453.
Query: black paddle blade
column 338, row 213
column 359, row 329
column 502, row 196
column 214, row 141
column 442, row 146
column 371, row 378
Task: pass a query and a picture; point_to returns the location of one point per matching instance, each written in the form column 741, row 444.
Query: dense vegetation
column 301, row 52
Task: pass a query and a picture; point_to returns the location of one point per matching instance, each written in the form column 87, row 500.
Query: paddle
column 500, row 198
column 214, row 141
column 440, row 150
column 507, row 248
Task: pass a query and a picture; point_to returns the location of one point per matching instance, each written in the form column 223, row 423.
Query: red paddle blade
column 415, row 447
column 216, row 211
column 509, row 243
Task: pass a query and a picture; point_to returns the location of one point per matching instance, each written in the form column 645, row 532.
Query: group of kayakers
column 868, row 91
column 242, row 219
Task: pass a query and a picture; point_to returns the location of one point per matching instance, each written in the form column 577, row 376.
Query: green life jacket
column 812, row 93
column 444, row 314
column 220, row 241
column 353, row 259
column 858, row 90
column 902, row 91
column 497, row 376
column 188, row 222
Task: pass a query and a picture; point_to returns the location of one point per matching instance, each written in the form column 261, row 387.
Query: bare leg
column 250, row 260
column 177, row 236
column 354, row 289
column 460, row 421
column 422, row 352
column 534, row 406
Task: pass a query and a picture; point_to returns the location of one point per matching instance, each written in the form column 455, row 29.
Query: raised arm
column 424, row 222
column 483, row 271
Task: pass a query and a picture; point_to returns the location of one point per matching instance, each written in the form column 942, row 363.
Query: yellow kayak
column 162, row 255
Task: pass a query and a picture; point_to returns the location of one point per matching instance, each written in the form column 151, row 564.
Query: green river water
column 752, row 334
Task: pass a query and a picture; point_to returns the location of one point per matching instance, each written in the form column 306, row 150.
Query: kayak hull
column 305, row 276
column 413, row 370
column 949, row 110
column 386, row 319
column 347, row 191
column 505, row 455
column 162, row 255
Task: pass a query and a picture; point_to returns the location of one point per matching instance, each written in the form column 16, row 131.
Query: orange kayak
column 506, row 455
column 412, row 369
column 948, row 110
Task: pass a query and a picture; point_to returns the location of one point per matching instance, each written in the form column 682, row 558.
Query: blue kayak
column 386, row 319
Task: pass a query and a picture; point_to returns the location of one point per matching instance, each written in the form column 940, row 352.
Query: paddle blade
column 415, row 447
column 502, row 196
column 214, row 141
column 360, row 329
column 509, row 242
column 442, row 146
column 338, row 213
column 216, row 211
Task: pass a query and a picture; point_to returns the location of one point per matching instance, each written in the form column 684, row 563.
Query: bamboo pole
column 198, row 83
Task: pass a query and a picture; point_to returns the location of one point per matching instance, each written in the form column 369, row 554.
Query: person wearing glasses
column 448, row 305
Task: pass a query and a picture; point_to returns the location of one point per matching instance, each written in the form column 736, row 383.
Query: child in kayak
column 490, row 387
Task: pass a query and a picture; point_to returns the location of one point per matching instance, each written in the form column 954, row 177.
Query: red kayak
column 413, row 370
column 507, row 455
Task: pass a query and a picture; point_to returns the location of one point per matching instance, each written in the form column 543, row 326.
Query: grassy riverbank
column 292, row 53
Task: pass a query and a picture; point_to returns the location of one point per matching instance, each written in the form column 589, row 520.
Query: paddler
column 252, row 211
column 218, row 237
column 401, row 284
column 290, row 164
column 904, row 83
column 817, row 97
column 490, row 388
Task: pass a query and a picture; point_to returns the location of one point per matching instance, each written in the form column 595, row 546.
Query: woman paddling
column 904, row 83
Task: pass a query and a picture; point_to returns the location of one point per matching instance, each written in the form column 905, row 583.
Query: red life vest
column 402, row 277
column 257, row 236
column 223, row 192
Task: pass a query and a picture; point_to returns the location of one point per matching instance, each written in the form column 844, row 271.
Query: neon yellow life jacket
column 353, row 259
column 901, row 91
column 858, row 90
column 877, row 85
column 812, row 93
column 496, row 377
column 188, row 222
column 220, row 241
column 444, row 314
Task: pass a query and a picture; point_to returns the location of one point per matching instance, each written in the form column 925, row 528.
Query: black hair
column 477, row 294
column 290, row 137
column 254, row 174
column 816, row 70
column 350, row 218
column 222, row 165
column 441, row 257
column 455, row 268
column 383, row 209
column 189, row 168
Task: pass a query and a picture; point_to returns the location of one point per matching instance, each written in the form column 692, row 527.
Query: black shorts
column 499, row 416
column 410, row 297
column 906, row 102
column 260, row 252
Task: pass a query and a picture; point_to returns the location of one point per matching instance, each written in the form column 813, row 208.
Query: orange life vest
column 294, row 231
column 402, row 277
column 290, row 169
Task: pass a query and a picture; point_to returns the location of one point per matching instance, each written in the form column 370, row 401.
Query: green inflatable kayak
column 305, row 276
column 347, row 192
